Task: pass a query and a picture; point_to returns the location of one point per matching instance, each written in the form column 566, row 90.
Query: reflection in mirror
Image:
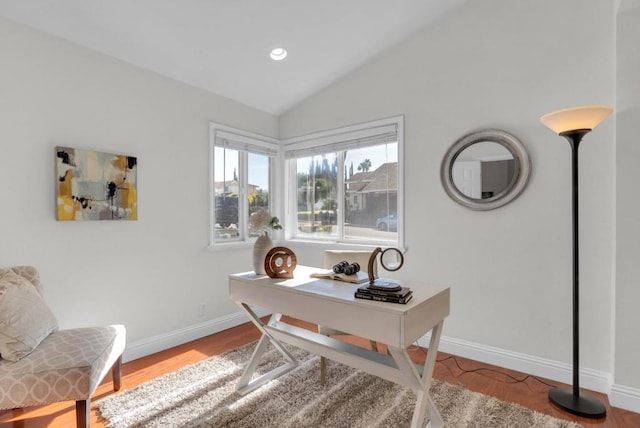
column 485, row 169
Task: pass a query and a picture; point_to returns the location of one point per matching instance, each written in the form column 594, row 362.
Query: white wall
column 492, row 63
column 499, row 63
column 151, row 274
column 627, row 316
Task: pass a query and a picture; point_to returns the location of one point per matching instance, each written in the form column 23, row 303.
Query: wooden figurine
column 280, row 262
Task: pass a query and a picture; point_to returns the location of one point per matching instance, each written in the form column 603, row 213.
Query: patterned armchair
column 63, row 365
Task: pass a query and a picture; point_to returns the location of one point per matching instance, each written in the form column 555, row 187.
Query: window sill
column 322, row 245
column 332, row 245
column 235, row 245
column 229, row 246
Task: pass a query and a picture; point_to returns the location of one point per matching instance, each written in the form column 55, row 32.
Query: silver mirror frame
column 515, row 187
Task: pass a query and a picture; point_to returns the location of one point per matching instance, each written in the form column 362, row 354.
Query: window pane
column 226, row 189
column 258, row 186
column 317, row 180
column 371, row 194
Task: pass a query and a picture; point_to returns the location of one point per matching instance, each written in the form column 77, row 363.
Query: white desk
column 332, row 304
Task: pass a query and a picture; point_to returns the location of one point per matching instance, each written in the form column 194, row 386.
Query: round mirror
column 485, row 169
column 391, row 259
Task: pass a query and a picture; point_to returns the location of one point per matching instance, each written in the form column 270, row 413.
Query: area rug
column 203, row 395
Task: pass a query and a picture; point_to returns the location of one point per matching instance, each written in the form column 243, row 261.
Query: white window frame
column 244, row 142
column 336, row 141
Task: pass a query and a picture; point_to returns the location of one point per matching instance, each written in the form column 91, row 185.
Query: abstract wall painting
column 95, row 186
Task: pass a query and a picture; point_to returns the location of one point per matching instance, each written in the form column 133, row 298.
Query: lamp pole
column 573, row 124
column 571, row 400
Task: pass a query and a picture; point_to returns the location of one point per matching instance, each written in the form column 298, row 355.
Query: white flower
column 261, row 220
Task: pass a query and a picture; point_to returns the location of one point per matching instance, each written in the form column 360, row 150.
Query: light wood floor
column 476, row 376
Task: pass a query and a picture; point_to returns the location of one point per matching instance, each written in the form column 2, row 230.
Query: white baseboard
column 625, row 398
column 619, row 396
column 590, row 379
column 154, row 344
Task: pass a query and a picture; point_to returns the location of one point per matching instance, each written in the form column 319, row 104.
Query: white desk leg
column 435, row 420
column 245, row 384
column 424, row 404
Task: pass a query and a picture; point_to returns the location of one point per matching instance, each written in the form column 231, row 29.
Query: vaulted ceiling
column 223, row 45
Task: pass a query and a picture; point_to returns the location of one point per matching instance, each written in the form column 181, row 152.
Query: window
column 345, row 185
column 241, row 179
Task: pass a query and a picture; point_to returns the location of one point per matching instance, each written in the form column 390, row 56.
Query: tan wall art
column 95, row 186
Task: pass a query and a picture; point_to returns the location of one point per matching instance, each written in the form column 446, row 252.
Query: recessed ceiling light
column 278, row 54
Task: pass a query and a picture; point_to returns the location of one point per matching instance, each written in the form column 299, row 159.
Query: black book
column 380, row 298
column 400, row 293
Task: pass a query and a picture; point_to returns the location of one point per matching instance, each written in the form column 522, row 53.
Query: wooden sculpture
column 280, row 262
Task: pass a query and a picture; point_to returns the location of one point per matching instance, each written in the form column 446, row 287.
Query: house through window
column 241, row 177
column 345, row 185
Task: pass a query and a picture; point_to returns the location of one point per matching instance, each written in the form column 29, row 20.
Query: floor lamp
column 573, row 124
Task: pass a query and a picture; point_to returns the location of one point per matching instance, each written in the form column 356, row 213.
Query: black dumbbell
column 339, row 268
column 346, row 268
column 352, row 269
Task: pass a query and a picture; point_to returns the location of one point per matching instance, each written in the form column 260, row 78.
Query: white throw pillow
column 25, row 318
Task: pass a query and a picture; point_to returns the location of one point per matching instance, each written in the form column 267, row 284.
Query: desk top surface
column 333, row 304
column 338, row 291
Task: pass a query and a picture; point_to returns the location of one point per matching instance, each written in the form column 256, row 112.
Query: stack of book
column 384, row 292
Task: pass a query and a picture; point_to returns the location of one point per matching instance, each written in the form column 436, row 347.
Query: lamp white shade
column 571, row 119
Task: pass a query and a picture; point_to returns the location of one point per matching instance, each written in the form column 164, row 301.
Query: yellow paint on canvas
column 66, row 208
column 131, row 201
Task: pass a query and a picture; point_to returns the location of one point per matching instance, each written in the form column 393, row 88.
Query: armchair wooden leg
column 116, row 372
column 83, row 413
